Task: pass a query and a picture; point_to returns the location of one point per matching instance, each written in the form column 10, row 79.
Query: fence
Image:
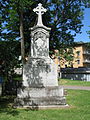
column 76, row 73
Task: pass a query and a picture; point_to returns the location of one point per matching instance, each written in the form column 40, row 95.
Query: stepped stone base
column 40, row 97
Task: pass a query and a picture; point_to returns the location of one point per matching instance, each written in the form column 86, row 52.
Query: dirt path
column 76, row 87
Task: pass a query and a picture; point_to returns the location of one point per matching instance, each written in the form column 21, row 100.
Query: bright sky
column 84, row 36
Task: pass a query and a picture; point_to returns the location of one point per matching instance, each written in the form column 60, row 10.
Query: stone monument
column 40, row 85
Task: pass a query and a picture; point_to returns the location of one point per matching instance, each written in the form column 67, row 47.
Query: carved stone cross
column 39, row 11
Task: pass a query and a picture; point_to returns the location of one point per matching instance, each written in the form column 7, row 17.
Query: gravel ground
column 76, row 87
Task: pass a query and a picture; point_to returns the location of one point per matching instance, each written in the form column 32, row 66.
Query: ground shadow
column 6, row 105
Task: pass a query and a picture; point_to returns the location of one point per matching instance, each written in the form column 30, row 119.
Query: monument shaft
column 40, row 71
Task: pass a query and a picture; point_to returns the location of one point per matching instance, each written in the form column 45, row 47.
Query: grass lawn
column 79, row 109
column 73, row 82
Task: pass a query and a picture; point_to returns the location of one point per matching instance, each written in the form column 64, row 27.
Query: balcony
column 86, row 61
column 86, row 52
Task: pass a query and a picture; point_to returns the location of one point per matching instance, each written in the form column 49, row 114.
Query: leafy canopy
column 63, row 16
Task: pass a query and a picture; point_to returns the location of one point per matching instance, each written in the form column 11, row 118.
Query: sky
column 86, row 22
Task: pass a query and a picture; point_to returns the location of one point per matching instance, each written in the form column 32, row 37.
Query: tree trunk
column 22, row 38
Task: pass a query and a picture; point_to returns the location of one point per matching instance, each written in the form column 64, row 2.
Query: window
column 78, row 53
column 88, row 51
column 78, row 61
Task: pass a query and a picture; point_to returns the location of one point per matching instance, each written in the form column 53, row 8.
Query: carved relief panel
column 40, row 48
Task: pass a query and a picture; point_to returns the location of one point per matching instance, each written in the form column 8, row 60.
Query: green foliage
column 88, row 32
column 67, row 54
column 63, row 16
column 87, row 46
column 86, row 3
column 9, row 57
column 66, row 16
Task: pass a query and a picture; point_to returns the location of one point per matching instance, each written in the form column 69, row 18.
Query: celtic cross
column 39, row 11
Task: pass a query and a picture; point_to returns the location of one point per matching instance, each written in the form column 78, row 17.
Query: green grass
column 17, row 78
column 73, row 82
column 79, row 109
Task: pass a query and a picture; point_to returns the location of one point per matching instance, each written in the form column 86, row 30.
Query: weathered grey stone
column 40, row 69
column 40, row 92
column 40, row 83
column 40, row 72
column 40, row 42
column 39, row 11
column 40, row 97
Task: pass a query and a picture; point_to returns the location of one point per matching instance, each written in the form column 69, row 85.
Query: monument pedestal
column 40, row 86
column 47, row 97
column 40, row 72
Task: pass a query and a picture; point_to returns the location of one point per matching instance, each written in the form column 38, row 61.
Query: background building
column 81, row 57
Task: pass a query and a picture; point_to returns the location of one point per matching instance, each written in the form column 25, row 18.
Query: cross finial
column 39, row 11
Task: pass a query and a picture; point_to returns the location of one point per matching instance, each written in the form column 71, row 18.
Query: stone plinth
column 40, row 72
column 40, row 97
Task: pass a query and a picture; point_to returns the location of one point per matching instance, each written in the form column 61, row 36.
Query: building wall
column 78, row 57
column 86, row 55
column 81, row 57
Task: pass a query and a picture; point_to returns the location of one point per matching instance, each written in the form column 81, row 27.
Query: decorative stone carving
column 39, row 11
column 40, row 45
column 40, row 85
column 39, row 42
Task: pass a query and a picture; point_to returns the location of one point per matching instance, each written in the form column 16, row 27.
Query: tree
column 9, row 60
column 88, row 32
column 87, row 5
column 67, row 21
column 14, row 17
column 63, row 16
